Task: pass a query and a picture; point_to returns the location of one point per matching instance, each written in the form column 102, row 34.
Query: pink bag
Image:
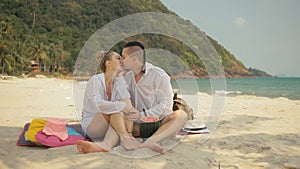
column 54, row 141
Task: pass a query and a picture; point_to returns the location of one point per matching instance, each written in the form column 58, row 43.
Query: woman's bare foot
column 129, row 143
column 153, row 146
column 91, row 147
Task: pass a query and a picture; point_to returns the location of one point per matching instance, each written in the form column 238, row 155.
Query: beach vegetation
column 47, row 36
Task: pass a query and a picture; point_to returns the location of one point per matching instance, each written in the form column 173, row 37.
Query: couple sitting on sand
column 114, row 103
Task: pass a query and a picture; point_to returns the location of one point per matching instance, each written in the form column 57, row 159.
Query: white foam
column 226, row 92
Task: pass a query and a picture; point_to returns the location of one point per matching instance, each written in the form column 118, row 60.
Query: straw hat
column 194, row 125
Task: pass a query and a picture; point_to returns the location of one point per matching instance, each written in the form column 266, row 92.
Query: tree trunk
column 2, row 64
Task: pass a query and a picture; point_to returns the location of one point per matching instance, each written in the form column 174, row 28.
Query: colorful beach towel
column 73, row 129
column 22, row 141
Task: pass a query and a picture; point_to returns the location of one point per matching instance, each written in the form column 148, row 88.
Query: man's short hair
column 138, row 44
column 134, row 43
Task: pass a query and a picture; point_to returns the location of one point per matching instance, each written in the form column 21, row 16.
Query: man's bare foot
column 91, row 147
column 129, row 143
column 153, row 146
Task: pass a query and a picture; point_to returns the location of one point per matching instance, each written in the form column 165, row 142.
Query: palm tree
column 39, row 54
column 21, row 60
column 6, row 32
column 53, row 55
column 5, row 59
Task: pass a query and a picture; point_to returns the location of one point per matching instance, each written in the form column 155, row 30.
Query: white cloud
column 239, row 21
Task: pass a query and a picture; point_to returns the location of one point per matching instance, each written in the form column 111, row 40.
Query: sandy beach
column 254, row 132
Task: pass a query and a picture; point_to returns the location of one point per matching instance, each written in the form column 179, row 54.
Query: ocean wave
column 225, row 92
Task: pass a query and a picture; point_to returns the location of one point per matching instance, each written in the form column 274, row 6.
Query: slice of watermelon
column 148, row 119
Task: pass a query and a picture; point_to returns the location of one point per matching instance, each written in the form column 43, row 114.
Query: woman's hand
column 130, row 112
column 120, row 71
column 128, row 106
column 134, row 115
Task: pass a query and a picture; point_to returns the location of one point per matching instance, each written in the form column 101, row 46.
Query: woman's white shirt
column 96, row 100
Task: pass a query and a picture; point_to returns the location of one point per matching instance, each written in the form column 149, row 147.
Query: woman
column 106, row 96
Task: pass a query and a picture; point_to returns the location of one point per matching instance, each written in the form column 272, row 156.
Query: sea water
column 266, row 87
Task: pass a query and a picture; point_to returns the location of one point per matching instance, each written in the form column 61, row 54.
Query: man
column 151, row 91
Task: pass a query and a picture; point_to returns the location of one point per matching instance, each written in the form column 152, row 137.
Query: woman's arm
column 95, row 93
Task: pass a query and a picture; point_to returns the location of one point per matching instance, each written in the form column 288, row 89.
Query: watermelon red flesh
column 149, row 119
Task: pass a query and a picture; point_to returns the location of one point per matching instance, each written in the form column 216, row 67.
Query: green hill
column 48, row 35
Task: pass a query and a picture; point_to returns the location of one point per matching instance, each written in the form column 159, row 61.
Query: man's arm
column 164, row 97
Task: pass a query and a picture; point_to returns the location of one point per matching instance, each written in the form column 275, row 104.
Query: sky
column 263, row 34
